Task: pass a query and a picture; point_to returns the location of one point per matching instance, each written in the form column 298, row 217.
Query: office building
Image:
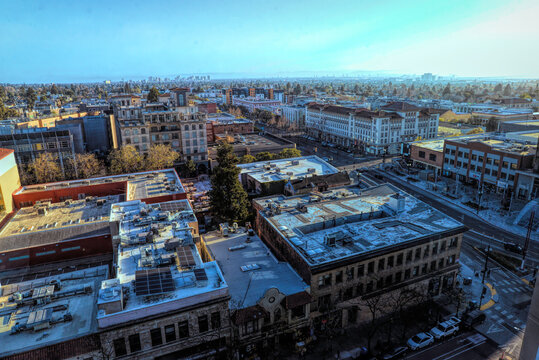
column 351, row 245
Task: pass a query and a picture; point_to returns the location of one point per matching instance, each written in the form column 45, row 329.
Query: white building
column 375, row 132
column 294, row 115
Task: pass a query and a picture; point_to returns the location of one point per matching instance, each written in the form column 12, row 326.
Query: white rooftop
column 284, row 169
column 358, row 221
column 159, row 238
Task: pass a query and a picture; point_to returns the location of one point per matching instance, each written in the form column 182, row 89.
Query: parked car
column 444, row 329
column 472, row 318
column 513, row 247
column 396, row 353
column 420, row 341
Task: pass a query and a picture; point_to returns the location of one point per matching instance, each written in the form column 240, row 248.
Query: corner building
column 351, row 245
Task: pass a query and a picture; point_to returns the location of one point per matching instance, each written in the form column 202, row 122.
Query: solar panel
column 200, row 274
column 185, row 256
column 153, row 281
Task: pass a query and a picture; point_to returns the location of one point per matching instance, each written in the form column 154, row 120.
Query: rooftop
column 521, row 143
column 139, row 185
column 246, row 287
column 284, row 169
column 158, row 263
column 46, row 223
column 345, row 222
column 49, row 321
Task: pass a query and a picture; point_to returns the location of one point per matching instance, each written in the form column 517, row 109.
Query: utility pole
column 483, row 278
column 479, row 194
column 527, row 242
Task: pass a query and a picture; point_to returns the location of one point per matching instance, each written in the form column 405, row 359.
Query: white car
column 420, row 341
column 444, row 329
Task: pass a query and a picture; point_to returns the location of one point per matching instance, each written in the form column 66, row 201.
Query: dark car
column 513, row 247
column 473, row 318
column 396, row 353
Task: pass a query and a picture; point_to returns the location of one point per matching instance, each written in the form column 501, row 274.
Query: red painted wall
column 114, row 188
column 97, row 245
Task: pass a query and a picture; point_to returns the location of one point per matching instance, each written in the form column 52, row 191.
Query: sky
column 72, row 41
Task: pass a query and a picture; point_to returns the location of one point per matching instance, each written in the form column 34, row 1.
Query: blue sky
column 62, row 41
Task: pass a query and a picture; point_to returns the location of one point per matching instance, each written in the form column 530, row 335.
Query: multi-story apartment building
column 351, row 245
column 183, row 128
column 294, row 115
column 375, row 132
column 487, row 160
column 252, row 103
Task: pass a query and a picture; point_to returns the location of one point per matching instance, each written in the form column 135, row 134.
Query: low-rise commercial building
column 351, row 245
column 253, row 103
column 270, row 177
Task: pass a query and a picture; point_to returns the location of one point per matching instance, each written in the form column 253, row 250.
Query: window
column 338, row 277
column 381, row 264
column 389, row 280
column 360, row 270
column 432, row 265
column 416, row 271
column 46, row 253
column 417, row 254
column 202, row 323
column 215, row 320
column 424, row 268
column 170, row 333
column 22, row 257
column 505, row 164
column 426, row 251
column 350, row 274
column 407, row 274
column 398, row 276
column 474, row 157
column 155, row 335
column 359, row 289
column 422, row 154
column 442, row 246
column 370, row 286
column 390, row 262
column 399, row 259
column 460, row 154
column 134, row 343
column 451, row 260
column 432, row 157
column 434, row 248
column 440, row 263
column 453, row 242
column 370, row 267
column 409, row 256
column 71, row 248
column 324, row 280
column 183, row 329
column 119, row 347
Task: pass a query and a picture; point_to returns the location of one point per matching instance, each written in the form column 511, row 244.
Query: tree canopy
column 227, row 196
column 153, row 95
column 160, row 157
column 125, row 160
column 45, row 168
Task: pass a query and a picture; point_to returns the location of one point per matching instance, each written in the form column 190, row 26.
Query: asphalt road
column 469, row 346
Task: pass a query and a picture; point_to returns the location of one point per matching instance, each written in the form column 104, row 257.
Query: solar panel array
column 153, row 281
column 185, row 256
column 200, row 274
column 172, row 206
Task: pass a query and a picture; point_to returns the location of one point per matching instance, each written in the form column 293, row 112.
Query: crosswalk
column 499, row 315
column 509, row 287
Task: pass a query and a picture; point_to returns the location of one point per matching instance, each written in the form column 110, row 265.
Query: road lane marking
column 465, row 350
column 494, row 329
column 504, row 312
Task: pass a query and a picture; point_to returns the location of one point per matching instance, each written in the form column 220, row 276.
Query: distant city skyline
column 62, row 41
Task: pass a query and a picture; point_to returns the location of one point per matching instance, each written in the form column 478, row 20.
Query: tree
column 125, row 160
column 507, row 91
column 153, row 95
column 289, row 153
column 492, row 124
column 227, row 197
column 447, row 90
column 190, row 168
column 54, row 89
column 160, row 157
column 30, row 97
column 86, row 165
column 247, row 159
column 46, row 168
column 264, row 156
column 498, row 88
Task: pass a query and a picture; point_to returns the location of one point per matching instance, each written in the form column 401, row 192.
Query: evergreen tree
column 507, row 90
column 153, row 95
column 498, row 88
column 447, row 90
column 227, row 197
column 30, row 97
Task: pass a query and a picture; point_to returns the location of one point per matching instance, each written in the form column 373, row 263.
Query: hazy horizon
column 64, row 42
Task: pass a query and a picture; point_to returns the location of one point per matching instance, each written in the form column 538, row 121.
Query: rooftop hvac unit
column 295, row 162
column 42, row 211
column 330, row 240
column 311, row 170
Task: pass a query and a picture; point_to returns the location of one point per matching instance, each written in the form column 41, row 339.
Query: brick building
column 351, row 245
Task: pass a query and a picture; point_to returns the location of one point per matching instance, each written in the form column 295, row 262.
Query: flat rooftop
column 521, row 143
column 255, row 141
column 77, row 296
column 140, row 185
column 435, row 145
column 48, row 223
column 357, row 221
column 158, row 240
column 283, row 169
column 247, row 287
